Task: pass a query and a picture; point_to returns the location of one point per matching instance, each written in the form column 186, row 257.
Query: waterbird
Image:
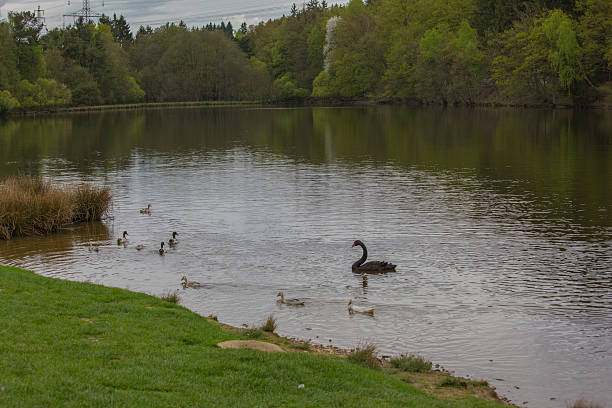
column 162, row 250
column 174, row 240
column 352, row 308
column 146, row 210
column 372, row 266
column 93, row 248
column 140, row 247
column 189, row 284
column 289, row 302
column 123, row 239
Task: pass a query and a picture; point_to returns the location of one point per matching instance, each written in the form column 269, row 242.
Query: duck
column 189, row 284
column 93, row 248
column 352, row 308
column 372, row 266
column 173, row 241
column 140, row 247
column 146, row 210
column 162, row 250
column 289, row 302
column 123, row 240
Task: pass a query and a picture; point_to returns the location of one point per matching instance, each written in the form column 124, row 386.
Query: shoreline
column 17, row 284
column 305, row 102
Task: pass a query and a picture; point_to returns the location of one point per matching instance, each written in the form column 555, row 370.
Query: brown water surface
column 500, row 222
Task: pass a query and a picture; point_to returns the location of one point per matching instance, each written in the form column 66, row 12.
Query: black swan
column 372, row 266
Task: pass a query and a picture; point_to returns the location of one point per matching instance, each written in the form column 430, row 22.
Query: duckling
column 93, row 248
column 352, row 308
column 123, row 240
column 146, row 210
column 189, row 284
column 162, row 250
column 173, row 241
column 140, row 247
column 289, row 302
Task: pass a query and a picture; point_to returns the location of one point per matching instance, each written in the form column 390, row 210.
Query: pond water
column 500, row 222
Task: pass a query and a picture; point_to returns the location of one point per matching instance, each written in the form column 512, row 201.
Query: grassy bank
column 77, row 344
column 31, row 206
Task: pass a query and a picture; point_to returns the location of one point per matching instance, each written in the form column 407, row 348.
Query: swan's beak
column 353, row 246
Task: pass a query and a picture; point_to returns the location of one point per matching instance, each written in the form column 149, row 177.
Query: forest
column 448, row 52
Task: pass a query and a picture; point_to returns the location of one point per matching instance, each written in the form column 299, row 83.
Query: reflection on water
column 499, row 221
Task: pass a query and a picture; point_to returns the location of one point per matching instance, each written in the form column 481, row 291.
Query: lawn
column 83, row 345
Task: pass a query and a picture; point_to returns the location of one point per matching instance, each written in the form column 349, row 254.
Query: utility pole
column 86, row 12
column 40, row 17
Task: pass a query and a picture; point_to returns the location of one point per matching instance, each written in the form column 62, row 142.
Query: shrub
column 411, row 363
column 581, row 403
column 364, row 354
column 7, row 102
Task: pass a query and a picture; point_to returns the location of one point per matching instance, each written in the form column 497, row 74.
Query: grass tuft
column 454, row 382
column 411, row 363
column 253, row 332
column 171, row 297
column 365, row 355
column 270, row 324
column 31, row 206
column 581, row 403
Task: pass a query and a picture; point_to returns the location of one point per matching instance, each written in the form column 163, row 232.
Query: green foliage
column 9, row 75
column 321, row 86
column 7, row 102
column 286, row 87
column 564, row 53
column 594, row 30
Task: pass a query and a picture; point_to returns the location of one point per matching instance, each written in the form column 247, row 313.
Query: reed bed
column 31, row 206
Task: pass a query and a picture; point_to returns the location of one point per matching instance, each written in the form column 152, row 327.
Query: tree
column 9, row 75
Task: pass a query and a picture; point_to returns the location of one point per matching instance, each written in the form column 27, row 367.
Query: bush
column 7, row 102
column 364, row 355
column 31, row 206
column 411, row 363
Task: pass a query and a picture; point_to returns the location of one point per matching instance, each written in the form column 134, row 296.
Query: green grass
column 411, row 363
column 364, row 355
column 69, row 344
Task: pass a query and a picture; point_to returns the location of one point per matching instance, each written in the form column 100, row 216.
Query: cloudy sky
column 157, row 12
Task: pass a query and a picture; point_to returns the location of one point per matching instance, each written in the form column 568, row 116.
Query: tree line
column 430, row 51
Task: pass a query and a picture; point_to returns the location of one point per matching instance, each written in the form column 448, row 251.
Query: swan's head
column 184, row 279
column 174, row 234
column 358, row 242
column 350, row 302
column 279, row 294
column 125, row 233
column 162, row 245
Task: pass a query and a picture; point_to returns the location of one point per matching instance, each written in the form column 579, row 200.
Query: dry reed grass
column 31, row 206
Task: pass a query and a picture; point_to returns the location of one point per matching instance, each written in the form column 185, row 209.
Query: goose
column 140, row 247
column 189, row 284
column 352, row 308
column 122, row 240
column 289, row 302
column 372, row 266
column 93, row 248
column 146, row 210
column 173, row 241
column 162, row 250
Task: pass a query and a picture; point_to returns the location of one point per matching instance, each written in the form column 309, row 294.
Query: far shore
column 310, row 101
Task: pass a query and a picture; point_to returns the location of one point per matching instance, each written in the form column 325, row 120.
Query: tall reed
column 31, row 206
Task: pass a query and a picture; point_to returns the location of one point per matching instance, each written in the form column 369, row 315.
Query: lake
column 500, row 222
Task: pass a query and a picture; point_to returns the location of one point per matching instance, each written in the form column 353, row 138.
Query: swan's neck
column 282, row 298
column 363, row 257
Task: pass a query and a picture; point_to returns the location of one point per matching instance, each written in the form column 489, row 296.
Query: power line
column 85, row 13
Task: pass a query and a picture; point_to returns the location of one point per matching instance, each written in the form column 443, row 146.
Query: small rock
column 301, row 386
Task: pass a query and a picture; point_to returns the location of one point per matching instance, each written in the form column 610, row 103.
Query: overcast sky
column 157, row 12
